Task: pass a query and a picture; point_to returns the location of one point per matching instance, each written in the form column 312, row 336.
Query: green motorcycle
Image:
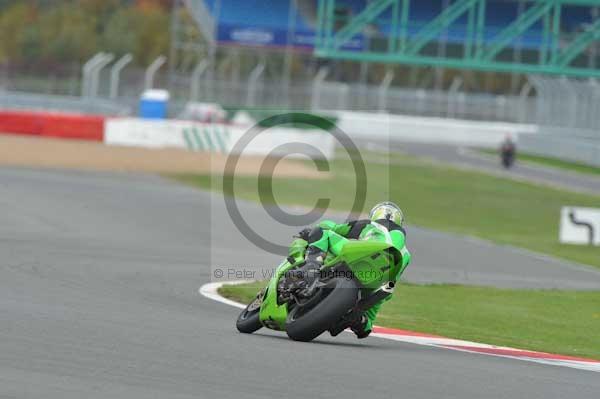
column 356, row 274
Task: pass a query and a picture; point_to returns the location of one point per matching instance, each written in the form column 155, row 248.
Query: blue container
column 153, row 104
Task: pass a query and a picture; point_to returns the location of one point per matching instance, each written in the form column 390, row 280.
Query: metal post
column 235, row 66
column 343, row 96
column 546, row 34
column 517, row 54
column 550, row 117
column 590, row 103
column 151, row 71
column 562, row 114
column 462, row 98
column 287, row 61
column 523, row 96
column 316, row 88
column 393, row 37
column 212, row 54
column 211, row 74
column 363, row 77
column 500, row 107
column 252, row 80
column 115, row 72
column 383, row 89
column 573, row 104
column 595, row 99
column 320, row 28
column 540, row 98
column 452, row 93
column 421, row 94
column 95, row 73
column 404, row 24
column 468, row 45
column 593, row 53
column 479, row 29
column 441, row 52
column 87, row 69
column 555, row 32
column 196, row 75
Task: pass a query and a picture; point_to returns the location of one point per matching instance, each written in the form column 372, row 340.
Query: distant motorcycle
column 507, row 153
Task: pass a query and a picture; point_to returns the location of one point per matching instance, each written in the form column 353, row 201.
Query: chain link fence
column 329, row 95
column 61, row 89
column 568, row 115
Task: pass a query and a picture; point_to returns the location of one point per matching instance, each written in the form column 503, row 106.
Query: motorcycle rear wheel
column 339, row 296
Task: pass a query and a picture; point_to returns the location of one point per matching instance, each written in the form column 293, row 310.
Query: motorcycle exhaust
column 383, row 292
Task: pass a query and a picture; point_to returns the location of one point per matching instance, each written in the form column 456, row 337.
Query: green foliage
column 143, row 32
column 16, row 31
column 152, row 35
column 42, row 32
column 118, row 37
column 67, row 34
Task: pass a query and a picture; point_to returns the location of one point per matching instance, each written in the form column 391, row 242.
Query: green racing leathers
column 322, row 236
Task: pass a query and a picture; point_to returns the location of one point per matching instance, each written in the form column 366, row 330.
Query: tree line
column 41, row 33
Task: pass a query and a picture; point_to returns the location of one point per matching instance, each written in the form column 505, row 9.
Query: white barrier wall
column 310, row 142
column 219, row 137
column 215, row 137
column 145, row 132
column 366, row 125
column 568, row 148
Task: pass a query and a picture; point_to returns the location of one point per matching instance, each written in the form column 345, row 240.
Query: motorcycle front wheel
column 248, row 321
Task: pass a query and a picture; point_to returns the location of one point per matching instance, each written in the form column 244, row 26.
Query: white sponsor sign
column 580, row 226
column 218, row 137
column 150, row 133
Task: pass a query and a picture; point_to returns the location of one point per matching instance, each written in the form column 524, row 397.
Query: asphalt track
column 470, row 158
column 99, row 299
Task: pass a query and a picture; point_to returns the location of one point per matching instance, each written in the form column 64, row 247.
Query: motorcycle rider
column 385, row 215
column 508, row 151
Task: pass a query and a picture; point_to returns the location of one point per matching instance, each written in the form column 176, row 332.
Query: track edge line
column 211, row 291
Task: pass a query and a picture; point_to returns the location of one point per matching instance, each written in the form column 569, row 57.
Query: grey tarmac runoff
column 99, row 298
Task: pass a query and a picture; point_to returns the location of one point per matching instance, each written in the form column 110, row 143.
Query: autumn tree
column 38, row 32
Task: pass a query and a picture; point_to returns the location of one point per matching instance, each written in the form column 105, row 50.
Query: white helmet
column 387, row 210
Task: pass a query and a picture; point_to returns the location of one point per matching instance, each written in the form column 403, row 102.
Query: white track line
column 210, row 291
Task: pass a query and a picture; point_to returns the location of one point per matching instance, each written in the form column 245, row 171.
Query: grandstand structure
column 458, row 58
column 512, row 36
column 471, row 59
column 484, row 35
column 529, row 61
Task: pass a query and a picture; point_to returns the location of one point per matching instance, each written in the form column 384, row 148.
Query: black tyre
column 248, row 321
column 337, row 298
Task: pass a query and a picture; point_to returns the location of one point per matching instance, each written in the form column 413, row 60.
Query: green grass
column 553, row 162
column 442, row 198
column 562, row 322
